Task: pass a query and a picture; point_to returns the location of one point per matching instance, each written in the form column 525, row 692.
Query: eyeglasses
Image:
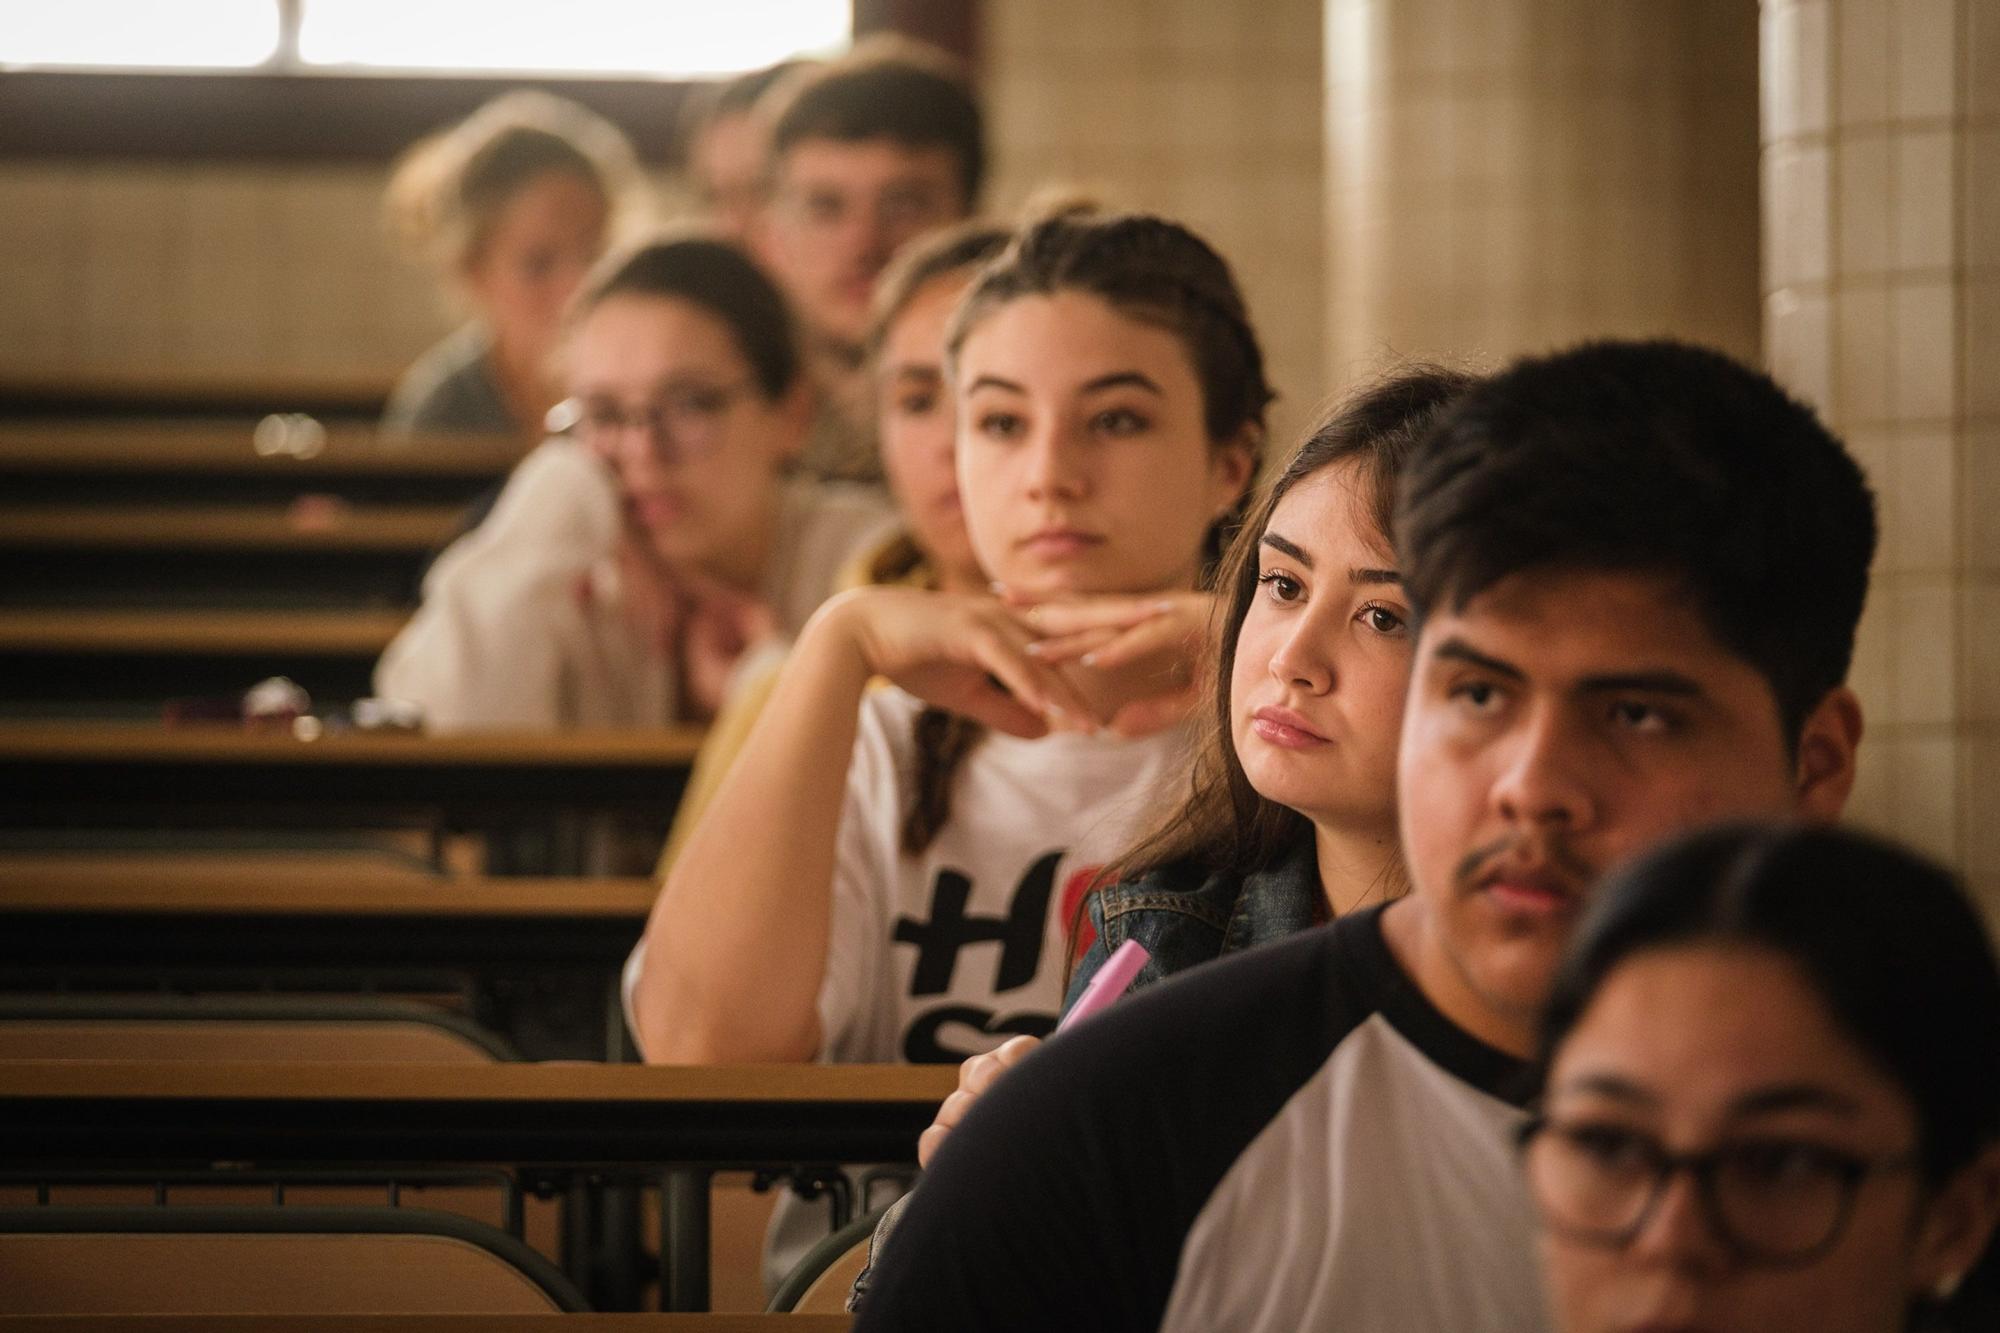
column 682, row 426
column 1772, row 1202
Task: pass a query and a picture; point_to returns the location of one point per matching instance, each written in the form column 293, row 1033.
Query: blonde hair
column 448, row 188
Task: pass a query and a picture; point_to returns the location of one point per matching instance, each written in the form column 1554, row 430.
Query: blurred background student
column 1771, row 1102
column 728, row 140
column 511, row 206
column 631, row 562
column 928, row 547
column 867, row 153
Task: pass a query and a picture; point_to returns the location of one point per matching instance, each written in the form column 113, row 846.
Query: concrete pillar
column 1505, row 176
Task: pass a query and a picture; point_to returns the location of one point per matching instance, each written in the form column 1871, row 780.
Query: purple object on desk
column 1109, row 983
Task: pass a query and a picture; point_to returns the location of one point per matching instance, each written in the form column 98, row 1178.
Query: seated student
column 1288, row 818
column 1771, row 1100
column 513, row 206
column 728, row 148
column 929, row 548
column 1111, row 399
column 867, row 153
column 1636, row 571
column 629, row 564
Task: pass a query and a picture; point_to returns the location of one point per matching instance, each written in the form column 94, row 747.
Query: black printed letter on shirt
column 951, row 929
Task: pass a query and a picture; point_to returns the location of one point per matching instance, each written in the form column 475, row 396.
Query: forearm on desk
column 736, row 945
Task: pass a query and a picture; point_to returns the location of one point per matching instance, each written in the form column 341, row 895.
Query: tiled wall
column 154, row 270
column 205, row 271
column 1208, row 112
column 1882, row 305
column 1506, row 176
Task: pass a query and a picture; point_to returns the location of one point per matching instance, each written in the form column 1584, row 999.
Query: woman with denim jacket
column 1289, row 817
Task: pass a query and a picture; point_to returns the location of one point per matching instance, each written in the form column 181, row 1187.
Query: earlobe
column 1235, row 467
column 1957, row 1227
column 1828, row 742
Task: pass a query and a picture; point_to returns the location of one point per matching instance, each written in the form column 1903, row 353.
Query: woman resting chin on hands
column 889, row 874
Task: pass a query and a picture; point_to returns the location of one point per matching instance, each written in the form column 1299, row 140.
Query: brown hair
column 887, row 87
column 1223, row 825
column 1148, row 269
column 942, row 739
column 716, row 276
column 448, row 188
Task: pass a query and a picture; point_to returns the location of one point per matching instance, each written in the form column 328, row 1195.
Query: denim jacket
column 1183, row 920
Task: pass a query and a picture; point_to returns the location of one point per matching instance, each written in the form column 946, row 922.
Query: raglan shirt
column 1288, row 1138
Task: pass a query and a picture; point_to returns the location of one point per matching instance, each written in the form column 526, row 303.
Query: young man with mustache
column 1638, row 568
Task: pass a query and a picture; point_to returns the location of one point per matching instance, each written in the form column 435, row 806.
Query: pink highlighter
column 1109, row 983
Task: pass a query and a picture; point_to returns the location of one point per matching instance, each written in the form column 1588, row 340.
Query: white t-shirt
column 942, row 955
column 523, row 620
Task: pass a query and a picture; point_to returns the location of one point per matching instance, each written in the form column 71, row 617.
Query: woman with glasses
column 635, row 558
column 1773, row 1095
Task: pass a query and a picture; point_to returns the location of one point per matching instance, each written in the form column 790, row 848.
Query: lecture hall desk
column 635, row 1120
column 111, row 775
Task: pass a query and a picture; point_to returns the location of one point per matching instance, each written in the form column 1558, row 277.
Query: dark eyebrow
column 1611, row 1085
column 993, row 382
column 1458, row 650
column 1284, row 547
column 1121, row 378
column 1373, row 576
column 1794, row 1097
column 1650, row 682
column 916, row 370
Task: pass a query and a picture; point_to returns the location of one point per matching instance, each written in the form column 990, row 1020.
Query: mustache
column 1535, row 847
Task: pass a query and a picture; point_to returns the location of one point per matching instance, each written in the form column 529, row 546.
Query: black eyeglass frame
column 1851, row 1173
column 569, row 418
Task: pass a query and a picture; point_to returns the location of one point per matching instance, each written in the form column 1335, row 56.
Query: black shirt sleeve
column 1065, row 1197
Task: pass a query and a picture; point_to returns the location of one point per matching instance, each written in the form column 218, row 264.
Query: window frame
column 291, row 117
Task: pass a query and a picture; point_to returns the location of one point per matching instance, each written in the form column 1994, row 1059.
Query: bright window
column 690, row 39
column 138, row 34
column 659, row 38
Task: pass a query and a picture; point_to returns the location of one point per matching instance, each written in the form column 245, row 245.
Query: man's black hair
column 1653, row 458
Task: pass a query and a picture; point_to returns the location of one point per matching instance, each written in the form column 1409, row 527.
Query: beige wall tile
column 1924, row 659
column 1979, row 619
column 1925, row 54
column 1923, row 199
column 1981, row 221
column 1981, row 760
column 1981, row 295
column 1799, row 334
column 1863, row 46
column 1927, row 796
column 1925, row 351
column 1982, row 88
column 1798, row 226
column 1923, row 502
column 1979, row 471
column 1794, row 82
column 1862, row 164
column 1861, row 337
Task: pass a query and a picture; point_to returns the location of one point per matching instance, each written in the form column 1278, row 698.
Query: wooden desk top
column 565, row 1083
column 360, row 633
column 166, row 885
column 113, row 1113
column 425, row 1323
column 222, row 746
column 237, row 527
column 225, row 446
